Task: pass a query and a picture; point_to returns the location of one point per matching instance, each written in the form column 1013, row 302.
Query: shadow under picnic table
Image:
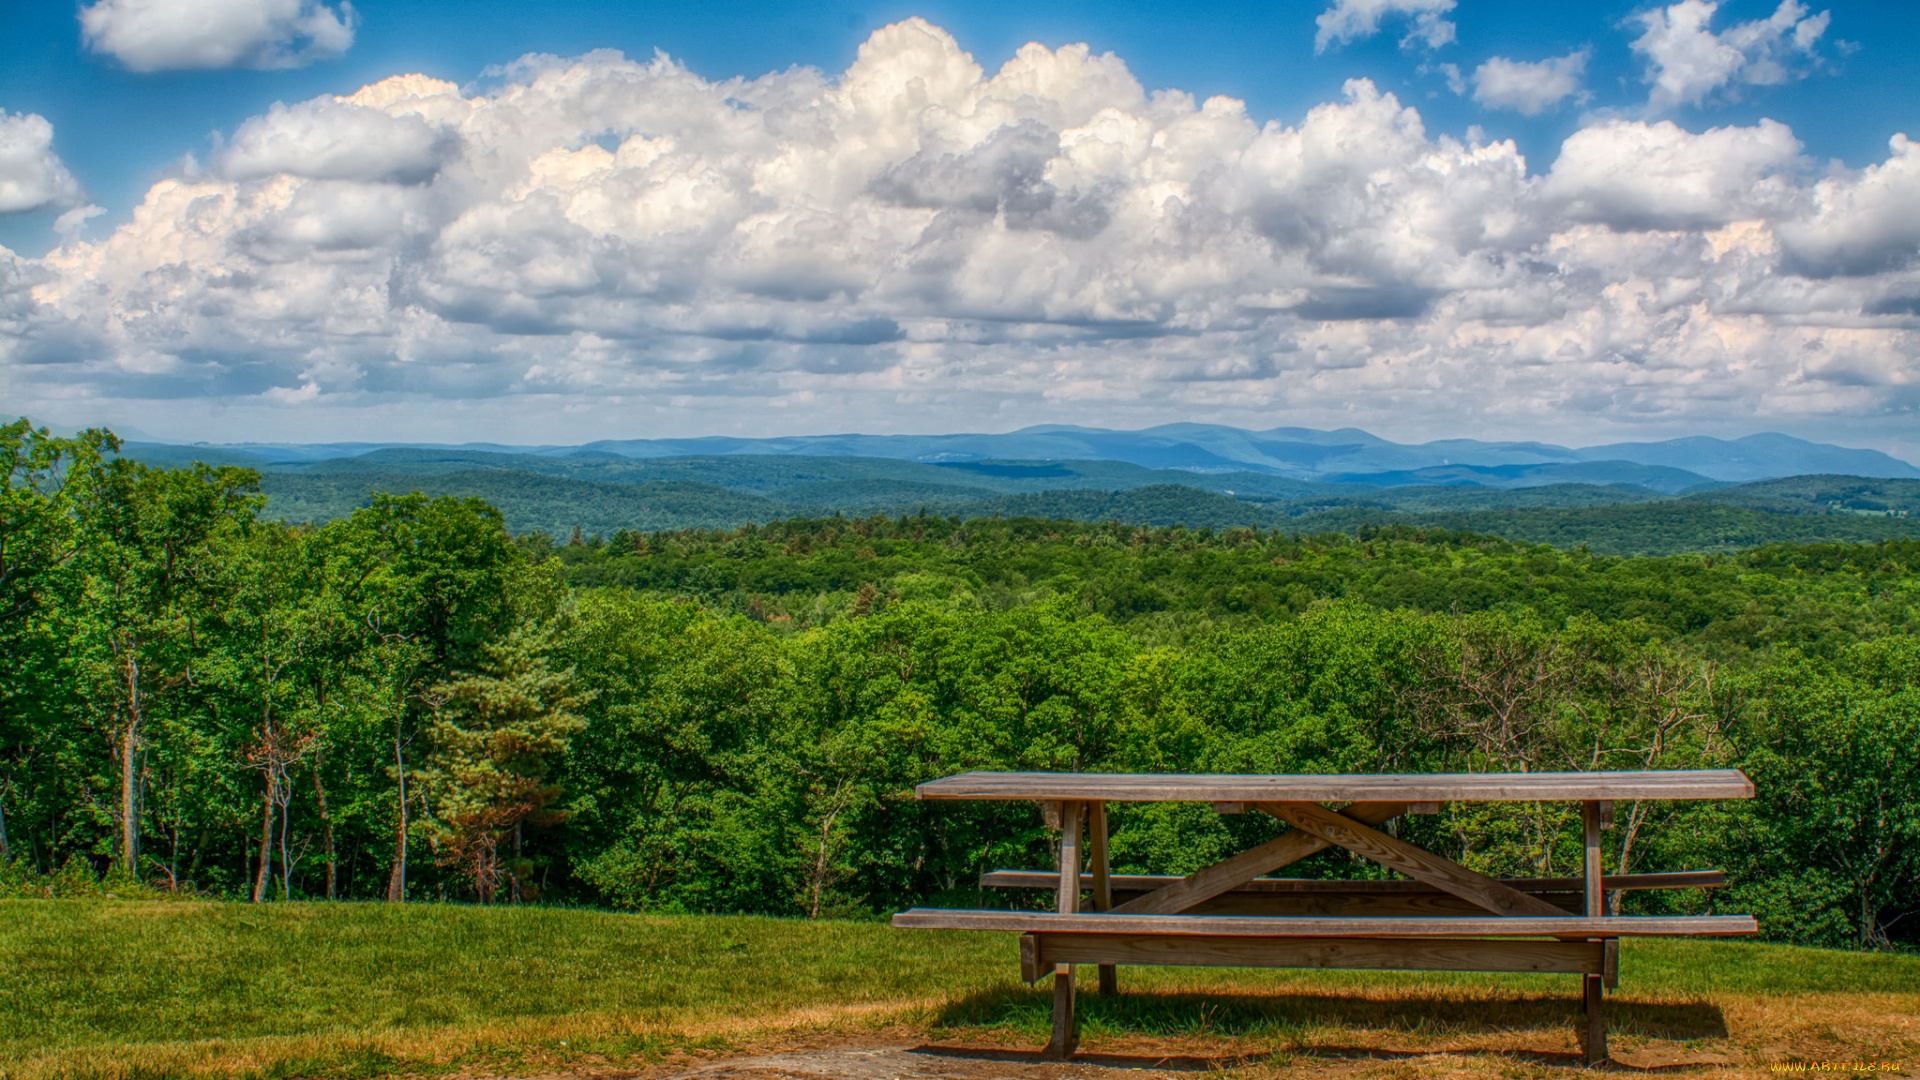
column 1214, row 1063
column 1241, row 1012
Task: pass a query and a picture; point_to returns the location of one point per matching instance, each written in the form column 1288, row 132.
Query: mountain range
column 1695, row 494
column 1347, row 456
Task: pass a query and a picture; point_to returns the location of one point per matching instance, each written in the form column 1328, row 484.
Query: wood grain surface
column 1223, row 876
column 1402, row 954
column 1412, row 787
column 1443, row 874
column 1261, row 926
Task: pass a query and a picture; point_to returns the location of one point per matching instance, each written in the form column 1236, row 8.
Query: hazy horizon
column 298, row 220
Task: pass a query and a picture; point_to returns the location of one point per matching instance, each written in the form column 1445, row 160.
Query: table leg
column 1065, row 1034
column 1102, row 883
column 1595, row 1044
column 1590, row 822
column 1593, row 986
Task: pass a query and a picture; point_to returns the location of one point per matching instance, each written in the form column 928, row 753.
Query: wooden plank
column 1031, row 969
column 1414, row 787
column 1276, row 926
column 1610, row 967
column 1381, row 954
column 1049, row 879
column 1443, row 874
column 1225, row 875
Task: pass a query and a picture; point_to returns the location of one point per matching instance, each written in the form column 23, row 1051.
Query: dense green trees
column 734, row 720
column 604, row 493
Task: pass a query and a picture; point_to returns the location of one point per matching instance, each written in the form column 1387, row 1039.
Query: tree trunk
column 283, row 790
column 397, row 881
column 199, row 847
column 173, row 860
column 129, row 763
column 6, row 853
column 129, row 814
column 516, row 862
column 326, row 829
column 1625, row 863
column 264, row 873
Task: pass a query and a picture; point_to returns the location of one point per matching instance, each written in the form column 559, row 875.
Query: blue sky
column 1811, row 97
column 119, row 129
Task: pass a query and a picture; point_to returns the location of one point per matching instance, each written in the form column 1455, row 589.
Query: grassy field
column 153, row 989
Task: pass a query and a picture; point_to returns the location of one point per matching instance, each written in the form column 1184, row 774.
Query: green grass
column 166, row 988
column 80, row 973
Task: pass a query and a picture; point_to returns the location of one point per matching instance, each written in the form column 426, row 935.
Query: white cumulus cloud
column 165, row 35
column 1530, row 88
column 1687, row 61
column 602, row 246
column 32, row 177
column 1631, row 175
column 1866, row 223
column 1356, row 20
column 337, row 139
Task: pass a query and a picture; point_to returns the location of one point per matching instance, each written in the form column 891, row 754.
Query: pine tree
column 494, row 736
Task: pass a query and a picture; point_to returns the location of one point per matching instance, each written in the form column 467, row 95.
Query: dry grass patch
column 154, row 991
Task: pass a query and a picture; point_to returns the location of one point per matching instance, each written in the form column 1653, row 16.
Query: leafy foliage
column 732, row 719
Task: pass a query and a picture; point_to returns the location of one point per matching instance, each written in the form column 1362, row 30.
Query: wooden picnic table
column 1443, row 917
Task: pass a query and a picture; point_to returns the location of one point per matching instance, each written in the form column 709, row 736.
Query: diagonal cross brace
column 1229, row 874
column 1360, row 838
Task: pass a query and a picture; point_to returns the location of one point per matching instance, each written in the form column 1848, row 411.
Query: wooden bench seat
column 1571, row 926
column 1039, row 953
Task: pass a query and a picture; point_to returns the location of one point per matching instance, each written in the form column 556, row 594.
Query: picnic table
column 1441, row 917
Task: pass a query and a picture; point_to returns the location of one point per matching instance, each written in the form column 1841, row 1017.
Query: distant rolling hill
column 1615, row 504
column 1854, row 495
column 1756, row 457
column 1617, row 520
column 1302, row 454
column 1651, row 477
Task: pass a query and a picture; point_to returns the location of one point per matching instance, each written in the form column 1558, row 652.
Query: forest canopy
column 409, row 701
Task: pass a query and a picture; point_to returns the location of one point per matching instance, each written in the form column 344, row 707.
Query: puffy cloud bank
column 601, row 246
column 1687, row 61
column 162, row 35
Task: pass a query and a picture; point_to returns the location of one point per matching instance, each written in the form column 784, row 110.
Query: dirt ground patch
column 897, row 1056
column 1358, row 1036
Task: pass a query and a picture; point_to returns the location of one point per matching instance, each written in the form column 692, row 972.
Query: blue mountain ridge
column 1346, row 456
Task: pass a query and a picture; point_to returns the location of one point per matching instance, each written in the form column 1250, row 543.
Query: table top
column 1366, row 787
